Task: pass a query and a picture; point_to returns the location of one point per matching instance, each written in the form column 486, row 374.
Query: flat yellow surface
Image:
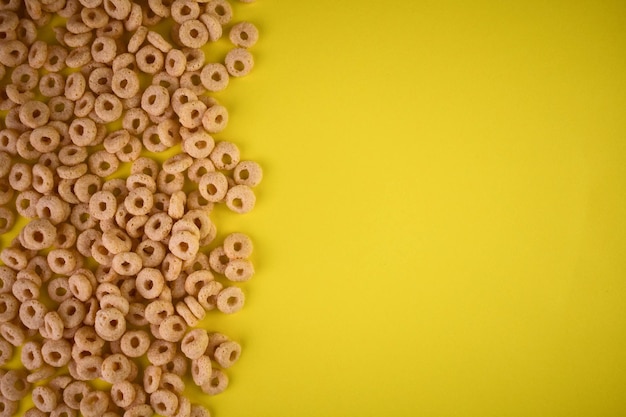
column 442, row 226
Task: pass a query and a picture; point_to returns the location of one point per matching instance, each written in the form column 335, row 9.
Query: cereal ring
column 40, row 374
column 84, row 105
column 172, row 382
column 80, row 286
column 61, row 109
column 149, row 59
column 171, row 267
column 26, row 31
column 39, row 234
column 175, row 62
column 199, row 411
column 218, row 382
column 8, row 307
column 131, row 151
column 127, row 263
column 62, row 261
column 158, row 226
column 172, row 329
column 72, row 312
column 94, row 404
column 108, row 107
column 176, row 208
column 199, row 168
column 157, row 311
column 51, row 85
column 115, row 368
column 56, row 353
column 135, row 121
column 74, row 393
column 184, row 245
column 207, row 296
column 213, row 186
column 150, row 283
column 164, row 402
column 155, row 99
column 55, row 61
column 13, row 53
column 201, row 369
column 237, row 246
column 194, row 344
column 78, row 57
column 215, row 119
column 100, row 80
column 13, row 333
column 198, row 145
column 125, row 83
column 240, row 199
column 239, row 62
column 161, row 352
column 227, row 353
column 117, row 9
column 214, row 77
column 151, row 252
column 102, row 205
column 123, row 394
column 94, row 17
column 82, row 131
column 24, row 77
column 182, row 10
column 139, row 410
column 191, row 113
column 213, row 26
column 225, row 155
column 135, row 343
column 197, row 280
column 62, row 410
column 161, row 203
column 37, row 54
column 125, row 60
column 158, row 42
column 218, row 260
column 239, row 270
column 221, row 9
column 103, row 163
column 244, row 34
column 110, row 324
column 25, row 289
column 230, row 300
column 86, row 187
column 192, row 81
column 14, row 385
column 44, row 398
column 30, row 356
column 248, row 173
column 53, row 325
column 139, row 201
column 185, row 312
column 34, row 114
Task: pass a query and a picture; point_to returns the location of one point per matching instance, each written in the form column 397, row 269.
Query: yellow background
column 441, row 228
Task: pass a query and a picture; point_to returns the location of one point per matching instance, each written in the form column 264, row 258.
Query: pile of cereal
column 103, row 290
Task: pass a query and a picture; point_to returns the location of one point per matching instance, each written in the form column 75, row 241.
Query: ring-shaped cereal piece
column 193, row 81
column 182, row 10
column 164, row 402
column 94, row 17
column 94, row 404
column 155, row 100
column 150, row 283
column 51, row 84
column 239, row 62
column 84, row 105
column 61, row 109
column 7, row 220
column 172, row 382
column 110, row 324
column 199, row 167
column 175, row 62
column 161, row 352
column 239, row 270
column 74, row 392
column 139, row 201
column 158, row 41
column 30, row 356
column 37, row 54
column 221, row 9
column 39, row 234
column 62, row 261
column 72, row 312
column 201, row 370
column 213, row 26
column 135, row 121
column 213, row 186
column 9, row 306
column 230, row 300
column 7, row 192
column 194, row 344
column 197, row 280
column 131, row 151
column 248, row 173
column 116, row 140
column 218, row 382
column 127, row 263
column 116, row 241
column 184, row 245
column 198, row 145
column 55, row 60
column 149, row 59
column 225, row 155
column 13, row 334
column 119, row 302
column 125, row 83
column 240, row 199
column 172, row 329
column 56, row 353
column 14, row 386
column 227, row 353
column 103, row 163
column 75, row 86
column 135, row 343
column 13, row 53
column 24, row 77
column 99, row 80
column 78, row 57
column 214, row 77
column 207, row 297
column 102, row 205
column 44, row 398
column 218, row 260
column 25, row 289
column 34, row 114
column 244, row 34
column 238, row 246
column 125, row 60
column 151, row 252
column 123, row 394
column 215, row 119
column 117, row 9
column 158, row 226
column 86, row 186
column 115, row 368
column 82, row 131
column 191, row 113
column 108, row 107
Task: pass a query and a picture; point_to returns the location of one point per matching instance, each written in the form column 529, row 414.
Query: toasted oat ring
column 207, row 296
column 244, row 34
column 238, row 246
column 239, row 270
column 56, row 353
column 51, row 84
column 184, row 245
column 164, row 402
column 217, row 383
column 44, row 398
column 172, row 328
column 225, row 155
column 82, row 131
column 155, row 100
column 34, row 114
column 139, row 201
column 110, row 324
column 182, row 10
column 61, row 109
column 123, row 394
column 39, row 234
column 94, row 404
column 127, row 263
column 239, row 62
column 14, row 386
column 213, row 186
column 135, row 121
column 135, row 343
column 161, row 352
column 240, row 199
column 227, row 353
column 215, row 119
column 221, row 10
column 108, row 107
column 115, row 368
column 125, row 83
column 230, row 300
column 193, row 33
column 248, row 173
column 194, row 344
column 213, row 26
column 175, row 62
column 149, row 59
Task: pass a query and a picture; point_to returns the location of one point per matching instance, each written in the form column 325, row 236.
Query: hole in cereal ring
column 103, row 81
column 60, row 262
column 108, row 105
column 134, row 342
column 227, row 159
column 239, row 65
column 219, row 118
column 54, row 60
column 195, row 113
column 196, row 80
column 178, row 327
column 113, row 323
column 124, row 83
column 3, row 307
column 36, row 113
column 162, row 349
column 237, row 246
column 84, row 217
column 105, row 165
column 59, row 107
column 38, row 236
column 183, row 246
column 231, row 301
column 55, row 355
column 79, row 129
column 237, row 203
column 216, row 76
column 243, row 36
column 233, row 355
column 99, row 47
column 150, row 59
column 215, row 382
column 223, row 259
column 102, row 206
column 220, row 10
column 211, row 189
column 152, row 99
column 117, row 366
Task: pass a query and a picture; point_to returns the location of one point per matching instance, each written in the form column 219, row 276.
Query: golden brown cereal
column 182, row 10
column 116, row 241
column 123, row 394
column 31, row 313
column 230, row 300
column 84, row 105
column 196, row 280
column 215, row 119
column 248, row 173
column 213, row 186
column 199, row 411
column 171, row 267
column 125, row 60
column 82, row 131
column 172, row 382
column 198, row 145
column 13, row 333
column 158, row 310
column 81, row 287
column 53, row 325
column 239, row 270
column 194, row 344
column 201, row 370
column 110, row 324
column 218, row 260
column 72, row 155
column 207, row 297
column 126, row 263
column 24, row 77
column 94, row 404
column 149, row 59
column 13, row 53
column 150, row 283
column 14, row 385
column 44, row 398
column 62, row 261
column 177, row 163
column 131, row 151
column 158, row 226
column 135, row 343
column 185, row 312
column 239, row 62
column 176, row 207
column 155, row 99
column 191, row 113
column 72, row 312
column 56, row 353
column 115, row 368
column 161, row 204
column 55, row 61
column 199, row 168
column 51, row 84
column 39, row 234
column 119, row 302
column 175, row 62
column 30, row 356
column 221, row 9
column 184, row 245
column 74, row 393
column 159, row 42
column 161, row 352
column 37, row 54
column 108, row 107
column 240, row 199
column 193, row 81
column 135, row 121
column 172, row 328
column 244, row 34
column 227, row 353
column 86, row 187
column 164, row 402
column 34, row 114
column 63, row 410
column 75, row 86
column 9, row 307
column 58, row 290
column 217, row 383
column 99, row 80
column 237, row 246
column 213, row 26
column 225, row 155
column 139, row 201
column 61, row 109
